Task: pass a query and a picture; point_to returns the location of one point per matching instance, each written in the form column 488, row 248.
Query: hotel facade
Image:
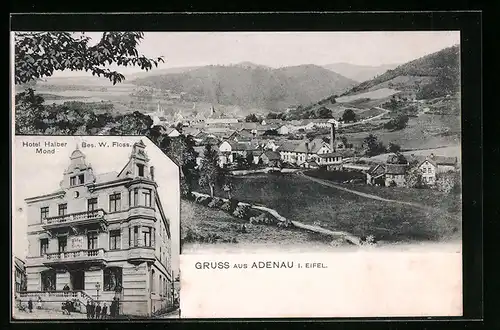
column 103, row 236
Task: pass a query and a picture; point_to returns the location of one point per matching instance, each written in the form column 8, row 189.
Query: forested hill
column 253, row 85
column 433, row 75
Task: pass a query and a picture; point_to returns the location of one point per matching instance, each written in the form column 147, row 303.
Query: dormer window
column 140, row 170
column 77, row 180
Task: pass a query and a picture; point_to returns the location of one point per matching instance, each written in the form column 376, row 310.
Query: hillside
column 433, row 75
column 359, row 73
column 250, row 85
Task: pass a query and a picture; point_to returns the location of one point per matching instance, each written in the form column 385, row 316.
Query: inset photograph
column 95, row 228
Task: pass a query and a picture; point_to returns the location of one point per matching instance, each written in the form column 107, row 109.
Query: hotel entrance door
column 77, row 278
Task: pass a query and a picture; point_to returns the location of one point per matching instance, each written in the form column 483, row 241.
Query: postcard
column 236, row 175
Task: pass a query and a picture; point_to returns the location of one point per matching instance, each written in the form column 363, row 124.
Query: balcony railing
column 75, row 217
column 92, row 254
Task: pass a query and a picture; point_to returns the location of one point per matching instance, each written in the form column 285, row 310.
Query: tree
column 324, row 113
column 397, row 158
column 394, row 147
column 270, row 132
column 40, row 54
column 348, row 116
column 344, row 141
column 135, row 123
column 374, row 147
column 209, row 169
column 397, row 123
column 413, row 178
column 252, row 118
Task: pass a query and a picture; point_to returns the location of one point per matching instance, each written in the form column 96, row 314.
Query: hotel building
column 104, row 236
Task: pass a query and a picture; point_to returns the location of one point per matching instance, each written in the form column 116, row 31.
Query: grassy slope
column 205, row 220
column 302, row 200
column 422, row 71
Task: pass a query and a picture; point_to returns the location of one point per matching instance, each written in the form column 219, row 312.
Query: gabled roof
column 311, row 146
column 272, row 155
column 106, row 177
column 437, row 160
column 238, row 146
column 289, row 146
column 395, row 169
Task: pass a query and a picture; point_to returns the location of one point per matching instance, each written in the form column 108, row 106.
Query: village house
column 433, row 165
column 299, row 152
column 172, row 132
column 19, row 275
column 283, row 130
column 103, row 235
column 387, row 175
column 332, row 161
column 229, row 151
column 271, row 158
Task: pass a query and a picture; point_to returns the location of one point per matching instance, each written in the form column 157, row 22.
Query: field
column 300, row 199
column 208, row 222
column 423, row 132
column 374, row 95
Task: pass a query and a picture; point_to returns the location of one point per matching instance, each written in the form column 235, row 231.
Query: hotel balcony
column 76, row 220
column 89, row 257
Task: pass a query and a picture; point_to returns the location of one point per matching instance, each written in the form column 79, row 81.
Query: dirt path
column 329, row 184
column 367, row 119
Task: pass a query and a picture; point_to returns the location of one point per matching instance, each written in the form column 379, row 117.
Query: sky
column 278, row 49
column 45, row 176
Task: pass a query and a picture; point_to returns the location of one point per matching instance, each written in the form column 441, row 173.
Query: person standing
column 98, row 311
column 88, row 309
column 112, row 308
column 92, row 310
column 104, row 311
column 30, row 305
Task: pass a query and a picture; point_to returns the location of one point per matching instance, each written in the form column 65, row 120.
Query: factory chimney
column 332, row 136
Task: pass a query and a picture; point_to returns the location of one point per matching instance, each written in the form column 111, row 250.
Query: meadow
column 209, row 222
column 300, row 199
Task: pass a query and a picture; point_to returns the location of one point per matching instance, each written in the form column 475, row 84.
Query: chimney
column 332, row 137
column 152, row 172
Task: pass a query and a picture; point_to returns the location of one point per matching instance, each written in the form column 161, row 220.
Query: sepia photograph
column 95, row 231
column 334, row 154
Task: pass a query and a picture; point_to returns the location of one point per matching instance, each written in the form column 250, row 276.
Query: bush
column 241, row 211
column 233, row 204
column 215, row 203
column 226, row 206
column 203, row 200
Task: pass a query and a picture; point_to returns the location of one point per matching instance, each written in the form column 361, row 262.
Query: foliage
column 394, row 147
column 348, row 116
column 241, row 211
column 397, row 123
column 40, row 54
column 253, row 118
column 271, row 132
column 209, row 169
column 374, row 147
column 448, row 182
column 413, row 178
column 397, row 158
column 135, row 123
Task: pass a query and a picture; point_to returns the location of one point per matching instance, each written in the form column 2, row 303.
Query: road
column 368, row 119
column 45, row 314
